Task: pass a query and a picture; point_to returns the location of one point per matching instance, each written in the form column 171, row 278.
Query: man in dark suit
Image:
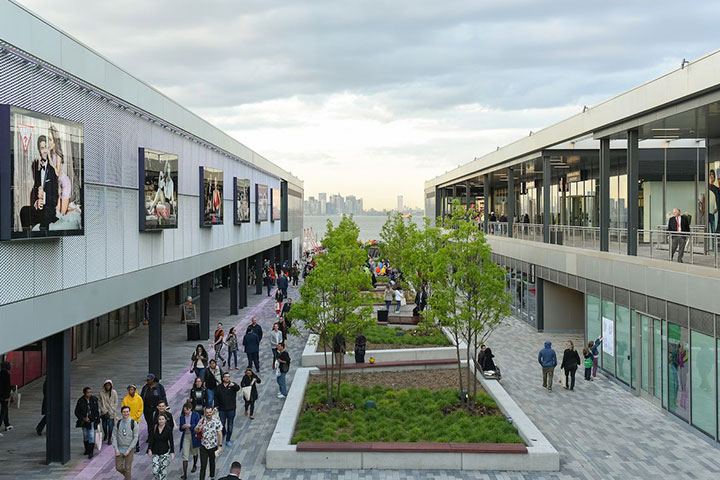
column 679, row 227
column 44, row 194
column 234, row 472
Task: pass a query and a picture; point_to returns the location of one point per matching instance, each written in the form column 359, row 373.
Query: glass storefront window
column 664, row 363
column 678, row 385
column 645, row 336
column 657, row 359
column 702, row 367
column 623, row 343
column 594, row 327
column 608, row 358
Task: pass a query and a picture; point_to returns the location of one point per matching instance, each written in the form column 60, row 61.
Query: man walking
column 679, row 227
column 124, row 439
column 548, row 360
column 152, row 394
column 286, row 308
column 135, row 403
column 234, row 472
column 282, row 283
column 226, row 403
column 284, row 366
column 251, row 342
column 211, row 442
column 255, row 327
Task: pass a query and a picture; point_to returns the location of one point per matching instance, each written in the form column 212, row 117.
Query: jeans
column 227, row 418
column 397, row 306
column 253, row 358
column 269, row 287
column 281, row 383
column 284, row 292
column 211, row 397
column 200, row 372
column 219, row 354
column 251, row 405
column 387, row 305
column 5, row 412
column 232, row 356
column 275, row 355
column 88, row 435
column 205, row 455
column 107, row 425
column 548, row 374
column 570, row 378
column 588, row 371
column 123, row 464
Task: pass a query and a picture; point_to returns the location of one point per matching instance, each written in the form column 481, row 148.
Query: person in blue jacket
column 548, row 360
column 189, row 444
column 593, row 347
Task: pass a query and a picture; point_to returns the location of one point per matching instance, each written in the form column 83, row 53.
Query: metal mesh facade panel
column 73, row 261
column 702, row 321
column 48, row 271
column 114, row 232
column 563, row 278
column 95, row 233
column 592, row 287
column 622, row 297
column 656, row 307
column 638, row 301
column 677, row 314
column 16, row 271
column 130, row 231
column 17, row 92
column 112, row 154
column 46, row 93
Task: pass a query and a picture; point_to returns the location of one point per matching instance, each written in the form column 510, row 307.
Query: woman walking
column 232, row 344
column 398, row 299
column 276, row 337
column 199, row 397
column 199, row 361
column 570, row 363
column 278, row 302
column 388, row 295
column 161, row 448
column 108, row 399
column 189, row 444
column 249, row 389
column 87, row 413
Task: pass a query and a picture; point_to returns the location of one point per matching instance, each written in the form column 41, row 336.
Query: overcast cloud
column 372, row 98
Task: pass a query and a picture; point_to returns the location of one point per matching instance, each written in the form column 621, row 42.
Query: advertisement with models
column 44, row 175
column 242, row 200
column 158, row 190
column 211, row 197
column 261, row 203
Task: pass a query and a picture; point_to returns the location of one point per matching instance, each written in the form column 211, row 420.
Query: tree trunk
column 328, row 383
column 471, row 400
column 342, row 356
column 457, row 353
column 474, row 356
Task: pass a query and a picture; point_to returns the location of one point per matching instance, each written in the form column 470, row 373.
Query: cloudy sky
column 372, row 98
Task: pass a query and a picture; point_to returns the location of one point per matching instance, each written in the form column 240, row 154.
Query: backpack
column 132, row 424
column 588, row 362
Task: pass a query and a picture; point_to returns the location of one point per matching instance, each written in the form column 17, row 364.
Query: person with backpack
column 135, row 403
column 124, row 440
column 548, row 361
column 570, row 363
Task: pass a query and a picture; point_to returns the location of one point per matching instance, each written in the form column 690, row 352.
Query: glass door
column 649, row 363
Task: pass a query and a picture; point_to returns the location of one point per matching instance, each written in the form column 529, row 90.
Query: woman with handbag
column 199, row 397
column 108, row 399
column 199, row 361
column 249, row 390
column 161, row 447
column 87, row 412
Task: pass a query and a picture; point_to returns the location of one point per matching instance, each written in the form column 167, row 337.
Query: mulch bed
column 432, row 380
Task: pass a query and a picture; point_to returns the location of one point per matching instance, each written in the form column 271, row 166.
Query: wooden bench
column 411, row 447
column 402, row 363
column 403, row 319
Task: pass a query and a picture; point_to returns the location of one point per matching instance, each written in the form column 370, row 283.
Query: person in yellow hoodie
column 135, row 402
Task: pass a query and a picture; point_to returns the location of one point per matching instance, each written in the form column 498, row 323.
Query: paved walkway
column 600, row 429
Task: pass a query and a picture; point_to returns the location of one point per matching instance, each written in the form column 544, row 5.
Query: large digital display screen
column 41, row 175
column 241, row 200
column 261, row 203
column 211, row 197
column 275, row 203
column 158, row 181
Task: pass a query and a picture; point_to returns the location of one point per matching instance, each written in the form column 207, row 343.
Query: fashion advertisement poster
column 211, row 197
column 261, row 203
column 242, row 200
column 46, row 180
column 713, row 197
column 275, row 199
column 159, row 174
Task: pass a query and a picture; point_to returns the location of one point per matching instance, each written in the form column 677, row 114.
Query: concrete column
column 155, row 335
column 234, row 288
column 511, row 201
column 57, row 398
column 205, row 281
column 486, row 200
column 258, row 273
column 468, row 201
column 547, row 175
column 604, row 194
column 243, row 281
column 438, row 204
column 633, row 176
column 540, row 303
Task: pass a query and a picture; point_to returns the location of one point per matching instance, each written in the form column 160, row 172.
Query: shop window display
column 702, row 367
column 678, row 384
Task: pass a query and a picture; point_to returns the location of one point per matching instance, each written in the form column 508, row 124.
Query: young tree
column 469, row 296
column 330, row 300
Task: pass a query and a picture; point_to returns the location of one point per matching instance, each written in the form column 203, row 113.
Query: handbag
column 98, row 438
column 277, row 370
column 199, row 435
column 247, row 391
column 15, row 396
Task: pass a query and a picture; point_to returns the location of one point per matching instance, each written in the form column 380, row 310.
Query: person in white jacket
column 276, row 337
column 398, row 299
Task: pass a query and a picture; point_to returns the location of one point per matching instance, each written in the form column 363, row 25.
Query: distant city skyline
column 336, row 204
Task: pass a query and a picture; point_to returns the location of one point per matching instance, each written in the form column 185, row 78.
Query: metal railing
column 699, row 248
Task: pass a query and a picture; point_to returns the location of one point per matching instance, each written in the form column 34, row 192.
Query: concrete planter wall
column 540, row 456
column 312, row 358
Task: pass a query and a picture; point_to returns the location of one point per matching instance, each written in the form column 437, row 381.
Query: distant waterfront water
column 370, row 225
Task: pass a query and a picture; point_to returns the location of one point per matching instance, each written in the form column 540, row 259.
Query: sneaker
column 281, row 396
column 8, row 428
column 228, row 443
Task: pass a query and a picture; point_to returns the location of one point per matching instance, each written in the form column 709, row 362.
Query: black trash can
column 382, row 315
column 193, row 331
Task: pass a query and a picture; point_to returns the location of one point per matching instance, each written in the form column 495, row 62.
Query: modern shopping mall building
column 114, row 201
column 578, row 215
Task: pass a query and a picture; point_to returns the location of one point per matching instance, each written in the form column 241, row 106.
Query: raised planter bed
column 537, row 454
